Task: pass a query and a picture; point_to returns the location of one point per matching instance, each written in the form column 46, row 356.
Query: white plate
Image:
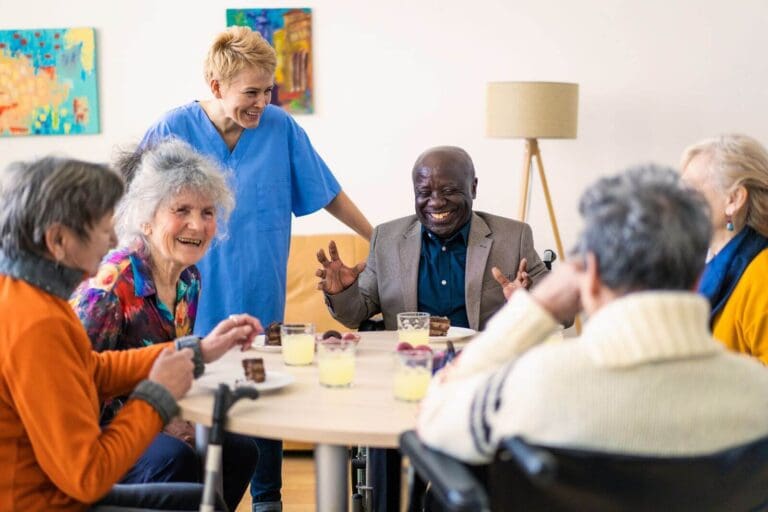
column 274, row 380
column 258, row 345
column 454, row 333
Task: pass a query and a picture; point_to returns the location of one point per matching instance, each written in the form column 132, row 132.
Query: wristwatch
column 192, row 342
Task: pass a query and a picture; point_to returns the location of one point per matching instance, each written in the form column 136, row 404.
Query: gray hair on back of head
column 157, row 174
column 647, row 231
column 50, row 190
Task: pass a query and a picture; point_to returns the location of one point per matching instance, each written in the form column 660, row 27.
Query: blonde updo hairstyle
column 235, row 49
column 737, row 160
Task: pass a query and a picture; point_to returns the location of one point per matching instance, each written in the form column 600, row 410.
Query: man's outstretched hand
column 335, row 276
column 521, row 279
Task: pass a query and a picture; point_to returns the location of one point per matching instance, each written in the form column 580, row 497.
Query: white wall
column 395, row 77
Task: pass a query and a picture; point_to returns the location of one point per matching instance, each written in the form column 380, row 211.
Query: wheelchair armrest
column 548, row 257
column 452, row 483
column 538, row 464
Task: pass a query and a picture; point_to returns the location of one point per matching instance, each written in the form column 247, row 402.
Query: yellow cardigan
column 54, row 454
column 742, row 325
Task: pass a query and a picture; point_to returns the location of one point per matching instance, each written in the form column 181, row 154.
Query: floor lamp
column 532, row 111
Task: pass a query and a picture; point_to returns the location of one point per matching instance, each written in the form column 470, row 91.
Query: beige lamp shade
column 532, row 110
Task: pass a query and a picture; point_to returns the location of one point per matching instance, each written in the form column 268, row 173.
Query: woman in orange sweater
column 55, row 226
column 731, row 171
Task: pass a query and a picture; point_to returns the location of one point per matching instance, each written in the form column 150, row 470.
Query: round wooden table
column 364, row 414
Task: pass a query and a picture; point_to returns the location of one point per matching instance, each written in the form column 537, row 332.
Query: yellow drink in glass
column 414, row 336
column 413, row 370
column 413, row 328
column 411, row 384
column 336, row 367
column 298, row 342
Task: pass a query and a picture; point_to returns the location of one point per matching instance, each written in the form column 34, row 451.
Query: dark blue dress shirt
column 442, row 267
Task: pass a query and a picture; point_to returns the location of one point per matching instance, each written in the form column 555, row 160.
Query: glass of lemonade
column 298, row 342
column 413, row 370
column 336, row 363
column 413, row 328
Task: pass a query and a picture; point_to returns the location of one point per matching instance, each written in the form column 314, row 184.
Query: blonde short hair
column 235, row 49
column 737, row 160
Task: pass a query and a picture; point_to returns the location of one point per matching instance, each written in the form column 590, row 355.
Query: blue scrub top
column 275, row 172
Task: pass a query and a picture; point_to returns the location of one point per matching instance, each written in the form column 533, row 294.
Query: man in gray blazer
column 446, row 259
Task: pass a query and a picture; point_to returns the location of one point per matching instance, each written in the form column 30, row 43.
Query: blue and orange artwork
column 48, row 82
column 289, row 31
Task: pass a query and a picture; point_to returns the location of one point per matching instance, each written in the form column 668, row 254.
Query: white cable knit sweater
column 645, row 377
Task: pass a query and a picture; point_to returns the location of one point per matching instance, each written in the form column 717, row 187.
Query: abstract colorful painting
column 48, row 82
column 289, row 31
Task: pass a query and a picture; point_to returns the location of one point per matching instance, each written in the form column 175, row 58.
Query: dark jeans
column 268, row 477
column 169, row 459
column 178, row 496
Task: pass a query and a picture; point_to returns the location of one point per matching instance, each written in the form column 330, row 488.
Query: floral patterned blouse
column 120, row 308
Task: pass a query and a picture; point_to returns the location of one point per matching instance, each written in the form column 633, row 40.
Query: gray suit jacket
column 388, row 285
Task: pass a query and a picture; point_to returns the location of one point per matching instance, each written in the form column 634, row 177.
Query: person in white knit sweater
column 645, row 377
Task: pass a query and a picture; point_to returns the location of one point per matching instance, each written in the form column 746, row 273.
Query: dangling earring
column 729, row 224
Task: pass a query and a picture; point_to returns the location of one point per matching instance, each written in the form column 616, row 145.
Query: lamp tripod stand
column 532, row 111
column 532, row 152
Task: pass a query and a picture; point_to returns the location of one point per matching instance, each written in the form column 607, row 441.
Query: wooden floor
column 298, row 484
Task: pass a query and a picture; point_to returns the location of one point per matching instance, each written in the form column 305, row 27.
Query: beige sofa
column 304, row 302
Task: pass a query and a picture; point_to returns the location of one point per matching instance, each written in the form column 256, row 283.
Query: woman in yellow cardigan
column 731, row 171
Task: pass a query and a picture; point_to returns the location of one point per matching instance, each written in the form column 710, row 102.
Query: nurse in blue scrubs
column 276, row 173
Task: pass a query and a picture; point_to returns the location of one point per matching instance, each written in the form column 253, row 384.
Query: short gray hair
column 646, row 230
column 37, row 194
column 160, row 172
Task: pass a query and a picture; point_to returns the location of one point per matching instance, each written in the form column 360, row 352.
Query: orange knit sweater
column 53, row 454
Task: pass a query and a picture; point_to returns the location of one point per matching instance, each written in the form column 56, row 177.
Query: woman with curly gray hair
column 147, row 291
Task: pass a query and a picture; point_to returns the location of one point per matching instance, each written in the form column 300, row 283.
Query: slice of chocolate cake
column 254, row 369
column 439, row 325
column 272, row 334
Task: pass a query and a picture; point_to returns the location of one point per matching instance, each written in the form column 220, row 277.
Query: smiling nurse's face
column 444, row 187
column 245, row 96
